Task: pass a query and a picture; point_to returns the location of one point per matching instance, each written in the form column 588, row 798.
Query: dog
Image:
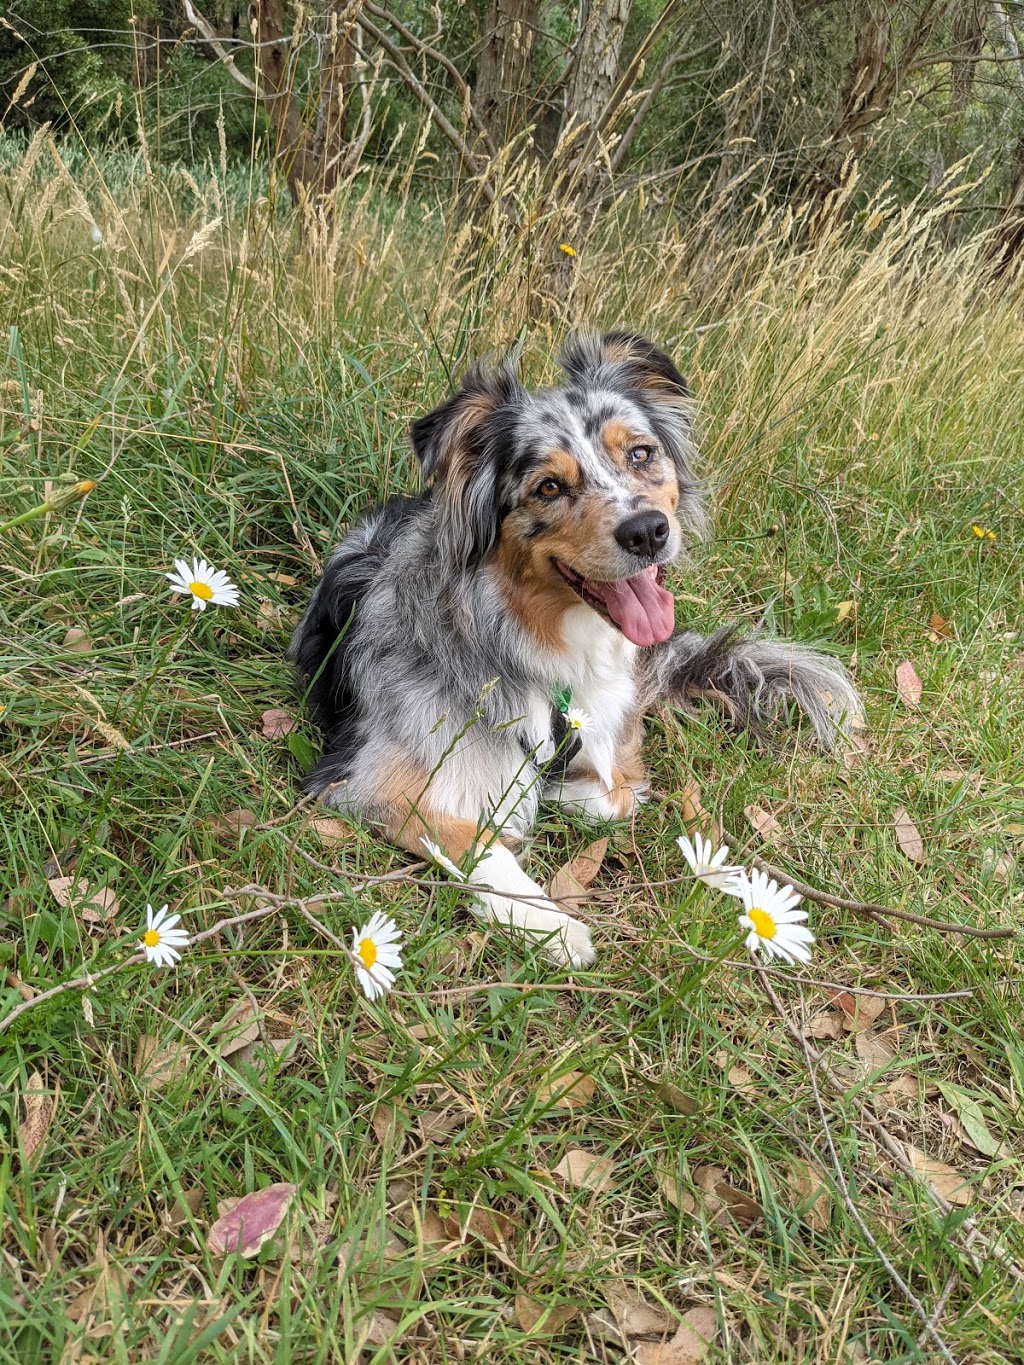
column 455, row 636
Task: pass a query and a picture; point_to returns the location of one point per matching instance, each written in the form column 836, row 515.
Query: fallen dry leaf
column 239, row 1027
column 67, row 889
column 160, row 1066
column 534, row 1315
column 379, row 1330
column 483, row 1224
column 676, row 1099
column 567, row 893
column 40, row 1107
column 908, row 837
column 635, row 1317
column 972, row 1119
column 720, row 1195
column 814, row 1202
column 846, row 611
column 277, row 723
column 908, row 684
column 944, row 1180
column 233, row 821
column 903, row 1087
column 763, row 822
column 941, row 629
column 186, row 1206
column 671, row 1187
column 585, row 1170
column 570, row 1090
column 859, row 1012
column 825, row 1024
column 250, row 1223
column 690, row 1344
column 586, row 866
column 740, row 1079
column 77, row 641
column 331, row 831
column 101, row 907
column 875, row 1050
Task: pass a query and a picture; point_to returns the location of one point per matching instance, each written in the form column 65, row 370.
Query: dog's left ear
column 458, row 446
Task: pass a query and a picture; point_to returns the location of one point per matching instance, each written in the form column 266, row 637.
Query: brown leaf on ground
column 740, row 1079
column 718, row 1195
column 233, row 821
column 948, row 1183
column 586, row 866
column 568, row 894
column 813, row 1200
column 277, row 723
column 908, row 684
column 635, row 1317
column 378, row 1330
column 676, row 1099
column 250, row 1223
column 331, row 831
column 763, row 822
column 690, row 1344
column 825, row 1024
column 672, row 1189
column 482, row 1224
column 101, row 907
column 908, row 1088
column 67, row 889
column 585, row 1170
column 387, row 1125
column 436, row 1124
column 160, row 1066
column 570, row 1090
column 187, row 1204
column 908, row 837
column 77, row 641
column 40, row 1106
column 239, row 1027
column 534, row 1315
column 875, row 1050
column 941, row 629
column 858, row 1012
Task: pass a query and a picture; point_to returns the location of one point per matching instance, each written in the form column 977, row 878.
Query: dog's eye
column 548, row 488
column 640, row 454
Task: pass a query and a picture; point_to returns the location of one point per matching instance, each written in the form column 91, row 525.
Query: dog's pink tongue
column 640, row 607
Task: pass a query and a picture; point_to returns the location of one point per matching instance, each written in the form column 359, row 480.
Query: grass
column 241, row 391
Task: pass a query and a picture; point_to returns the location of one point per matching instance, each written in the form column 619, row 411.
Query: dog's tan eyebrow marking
column 618, row 437
column 560, row 465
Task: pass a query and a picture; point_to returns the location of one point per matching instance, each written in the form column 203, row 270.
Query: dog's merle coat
column 445, row 625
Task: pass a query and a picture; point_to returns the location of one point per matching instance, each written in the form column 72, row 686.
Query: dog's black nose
column 643, row 535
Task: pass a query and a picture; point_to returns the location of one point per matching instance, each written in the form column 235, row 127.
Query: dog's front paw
column 572, row 946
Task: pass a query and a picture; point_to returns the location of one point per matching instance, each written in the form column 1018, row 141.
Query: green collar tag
column 562, row 698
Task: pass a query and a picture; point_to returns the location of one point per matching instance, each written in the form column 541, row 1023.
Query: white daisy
column 578, row 719
column 711, row 868
column 776, row 925
column 436, row 856
column 161, row 942
column 205, row 583
column 377, row 955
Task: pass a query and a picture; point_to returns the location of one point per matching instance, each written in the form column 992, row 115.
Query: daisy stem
column 155, row 673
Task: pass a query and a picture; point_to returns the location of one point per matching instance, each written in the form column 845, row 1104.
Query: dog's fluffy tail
column 754, row 679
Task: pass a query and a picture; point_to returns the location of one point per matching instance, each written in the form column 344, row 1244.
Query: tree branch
column 205, row 31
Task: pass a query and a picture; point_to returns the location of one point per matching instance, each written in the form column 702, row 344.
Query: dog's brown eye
column 549, row 488
column 640, row 454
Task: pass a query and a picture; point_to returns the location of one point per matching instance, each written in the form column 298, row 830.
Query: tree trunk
column 503, row 71
column 871, row 85
column 311, row 155
column 1009, row 236
column 596, row 65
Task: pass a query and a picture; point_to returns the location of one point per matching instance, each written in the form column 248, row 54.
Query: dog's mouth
column 639, row 606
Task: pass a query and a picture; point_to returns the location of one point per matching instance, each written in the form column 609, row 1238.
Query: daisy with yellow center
column 983, row 532
column 435, row 855
column 161, row 941
column 578, row 720
column 710, row 867
column 775, row 924
column 377, row 955
column 205, row 583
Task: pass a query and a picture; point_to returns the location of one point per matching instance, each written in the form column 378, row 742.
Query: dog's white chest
column 596, row 667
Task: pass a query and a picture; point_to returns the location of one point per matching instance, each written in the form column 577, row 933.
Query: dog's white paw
column 507, row 895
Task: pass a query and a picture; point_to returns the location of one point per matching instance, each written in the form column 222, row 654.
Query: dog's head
column 585, row 491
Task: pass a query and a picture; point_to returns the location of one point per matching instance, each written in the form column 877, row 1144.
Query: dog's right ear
column 455, row 448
